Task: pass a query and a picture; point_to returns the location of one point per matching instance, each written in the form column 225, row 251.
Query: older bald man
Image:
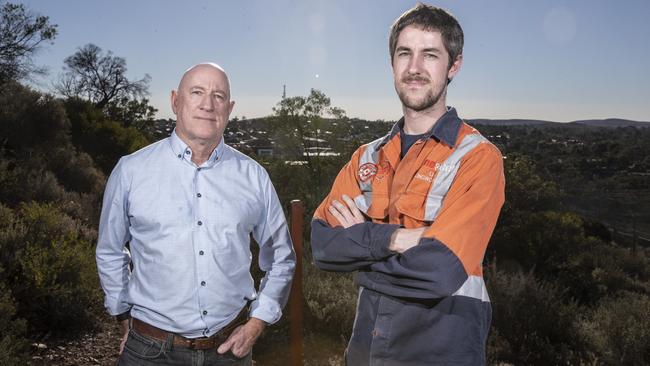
column 186, row 206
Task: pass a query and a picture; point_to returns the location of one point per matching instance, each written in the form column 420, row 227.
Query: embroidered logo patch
column 367, row 171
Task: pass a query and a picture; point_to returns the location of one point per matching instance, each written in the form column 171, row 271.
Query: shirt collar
column 184, row 152
column 445, row 129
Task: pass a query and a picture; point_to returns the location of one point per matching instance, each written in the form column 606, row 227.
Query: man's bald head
column 205, row 66
column 202, row 104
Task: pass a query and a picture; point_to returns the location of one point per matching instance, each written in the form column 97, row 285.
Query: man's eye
column 430, row 55
column 196, row 92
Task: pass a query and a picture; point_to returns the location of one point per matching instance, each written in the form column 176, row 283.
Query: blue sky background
column 538, row 59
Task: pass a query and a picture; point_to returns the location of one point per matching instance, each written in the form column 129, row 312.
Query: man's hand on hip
column 242, row 338
column 124, row 326
column 348, row 214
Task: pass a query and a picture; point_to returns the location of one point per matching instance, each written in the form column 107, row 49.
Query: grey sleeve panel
column 345, row 250
column 429, row 270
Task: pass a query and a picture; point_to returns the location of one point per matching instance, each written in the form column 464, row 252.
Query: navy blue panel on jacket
column 389, row 331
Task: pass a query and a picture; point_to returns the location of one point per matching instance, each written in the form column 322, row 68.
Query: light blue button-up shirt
column 188, row 229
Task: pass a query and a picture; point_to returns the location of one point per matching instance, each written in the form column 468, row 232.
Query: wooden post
column 295, row 301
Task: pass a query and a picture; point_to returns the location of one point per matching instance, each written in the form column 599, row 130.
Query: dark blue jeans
column 144, row 351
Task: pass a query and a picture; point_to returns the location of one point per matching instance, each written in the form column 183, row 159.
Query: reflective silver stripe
column 364, row 200
column 474, row 287
column 446, row 174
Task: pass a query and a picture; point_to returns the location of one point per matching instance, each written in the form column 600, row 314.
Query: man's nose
column 207, row 103
column 415, row 65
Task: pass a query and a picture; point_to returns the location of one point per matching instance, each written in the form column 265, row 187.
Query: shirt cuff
column 115, row 308
column 124, row 316
column 266, row 309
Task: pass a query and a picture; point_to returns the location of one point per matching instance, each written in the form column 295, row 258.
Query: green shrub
column 619, row 329
column 602, row 270
column 31, row 120
column 331, row 300
column 534, row 322
column 13, row 346
column 27, row 183
column 104, row 140
column 51, row 272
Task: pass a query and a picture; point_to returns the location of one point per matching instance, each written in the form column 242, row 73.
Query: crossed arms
column 427, row 262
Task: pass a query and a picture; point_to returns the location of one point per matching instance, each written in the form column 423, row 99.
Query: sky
column 536, row 59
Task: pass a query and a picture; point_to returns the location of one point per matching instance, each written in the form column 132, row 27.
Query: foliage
column 13, row 345
column 104, row 140
column 534, row 322
column 49, row 266
column 131, row 112
column 21, row 35
column 330, row 299
column 38, row 160
column 299, row 126
column 301, row 138
column 618, row 330
column 100, row 78
column 30, row 120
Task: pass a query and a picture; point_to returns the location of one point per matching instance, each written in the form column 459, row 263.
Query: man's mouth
column 415, row 81
column 206, row 118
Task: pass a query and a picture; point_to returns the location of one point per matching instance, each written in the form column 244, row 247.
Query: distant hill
column 510, row 122
column 610, row 122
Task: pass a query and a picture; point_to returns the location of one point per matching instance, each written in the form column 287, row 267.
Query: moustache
column 408, row 79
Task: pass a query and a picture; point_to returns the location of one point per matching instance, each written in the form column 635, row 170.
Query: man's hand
column 124, row 325
column 242, row 338
column 347, row 215
column 405, row 239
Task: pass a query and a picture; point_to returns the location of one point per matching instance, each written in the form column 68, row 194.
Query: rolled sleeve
column 276, row 258
column 112, row 257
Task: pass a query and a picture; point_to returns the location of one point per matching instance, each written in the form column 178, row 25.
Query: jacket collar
column 445, row 129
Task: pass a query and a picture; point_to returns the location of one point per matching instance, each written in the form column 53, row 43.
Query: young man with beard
column 413, row 212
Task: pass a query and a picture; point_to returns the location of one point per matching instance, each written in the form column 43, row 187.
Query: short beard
column 421, row 104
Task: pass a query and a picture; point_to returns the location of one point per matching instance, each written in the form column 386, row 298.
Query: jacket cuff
column 381, row 240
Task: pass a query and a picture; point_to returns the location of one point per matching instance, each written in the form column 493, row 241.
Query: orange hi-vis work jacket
column 428, row 305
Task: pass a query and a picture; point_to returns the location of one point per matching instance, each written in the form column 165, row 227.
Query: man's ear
column 173, row 99
column 232, row 105
column 454, row 68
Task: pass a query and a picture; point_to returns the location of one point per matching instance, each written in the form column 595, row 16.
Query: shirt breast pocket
column 413, row 202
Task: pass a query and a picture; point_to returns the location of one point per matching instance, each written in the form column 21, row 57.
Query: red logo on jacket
column 367, row 171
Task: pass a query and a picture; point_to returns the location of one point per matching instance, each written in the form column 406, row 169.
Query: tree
column 21, row 34
column 300, row 121
column 302, row 133
column 99, row 78
column 131, row 112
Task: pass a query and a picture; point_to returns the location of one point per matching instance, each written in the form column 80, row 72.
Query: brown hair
column 430, row 18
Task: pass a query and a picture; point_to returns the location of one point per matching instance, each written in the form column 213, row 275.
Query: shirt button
column 179, row 156
column 202, row 283
column 187, row 152
column 205, row 312
column 198, row 169
column 199, row 223
column 201, row 252
column 198, row 195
